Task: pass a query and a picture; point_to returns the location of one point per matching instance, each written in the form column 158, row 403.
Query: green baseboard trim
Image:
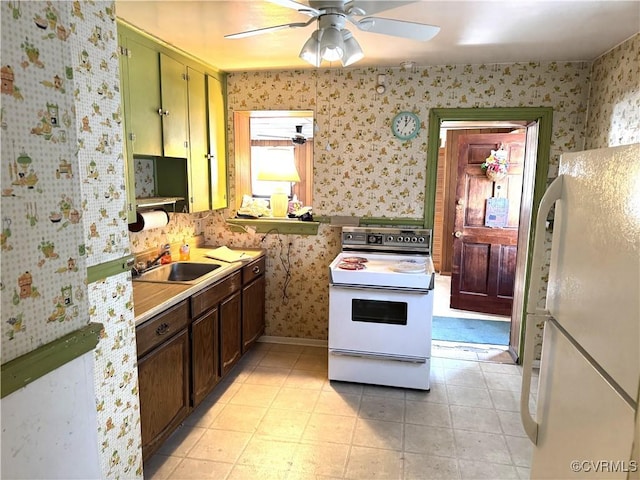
column 283, row 226
column 21, row 371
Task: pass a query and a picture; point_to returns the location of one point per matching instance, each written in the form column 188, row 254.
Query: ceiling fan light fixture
column 352, row 50
column 331, row 44
column 310, row 52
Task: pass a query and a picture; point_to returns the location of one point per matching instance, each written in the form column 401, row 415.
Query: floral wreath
column 496, row 162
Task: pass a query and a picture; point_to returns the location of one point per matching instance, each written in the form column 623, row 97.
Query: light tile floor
column 276, row 416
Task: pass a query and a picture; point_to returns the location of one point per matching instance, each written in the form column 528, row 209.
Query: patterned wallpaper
column 614, row 103
column 367, row 172
column 63, row 203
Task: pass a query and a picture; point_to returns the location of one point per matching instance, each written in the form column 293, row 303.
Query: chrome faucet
column 165, row 249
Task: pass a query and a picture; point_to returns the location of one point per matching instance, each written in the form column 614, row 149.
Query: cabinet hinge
column 185, row 76
column 124, row 51
column 132, row 137
column 186, row 144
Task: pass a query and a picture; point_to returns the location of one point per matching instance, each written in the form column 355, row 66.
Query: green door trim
column 21, row 371
column 542, row 115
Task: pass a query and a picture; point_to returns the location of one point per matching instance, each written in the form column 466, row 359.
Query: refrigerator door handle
column 535, row 315
column 529, row 424
column 553, row 193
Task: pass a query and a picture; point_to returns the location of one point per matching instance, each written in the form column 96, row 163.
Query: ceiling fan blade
column 260, row 31
column 274, row 136
column 371, row 7
column 300, row 7
column 397, row 28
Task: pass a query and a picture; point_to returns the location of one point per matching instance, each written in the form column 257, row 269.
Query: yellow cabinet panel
column 199, row 192
column 217, row 143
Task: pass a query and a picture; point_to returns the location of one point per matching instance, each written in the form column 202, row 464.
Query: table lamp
column 279, row 166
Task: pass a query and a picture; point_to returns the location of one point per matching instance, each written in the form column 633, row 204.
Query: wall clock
column 405, row 125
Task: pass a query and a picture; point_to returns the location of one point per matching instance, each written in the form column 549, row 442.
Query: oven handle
column 376, row 356
column 349, row 286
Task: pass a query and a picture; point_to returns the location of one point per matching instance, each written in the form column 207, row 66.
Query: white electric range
column 381, row 307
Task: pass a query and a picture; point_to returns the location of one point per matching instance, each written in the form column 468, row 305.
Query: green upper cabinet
column 217, row 143
column 173, row 88
column 199, row 188
column 174, row 114
column 143, row 87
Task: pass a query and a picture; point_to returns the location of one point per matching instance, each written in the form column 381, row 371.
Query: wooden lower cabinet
column 184, row 351
column 163, row 382
column 252, row 312
column 230, row 332
column 205, row 371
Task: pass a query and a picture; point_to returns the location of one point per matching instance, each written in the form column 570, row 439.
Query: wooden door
column 484, row 258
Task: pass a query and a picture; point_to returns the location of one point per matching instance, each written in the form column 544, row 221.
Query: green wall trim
column 285, row 227
column 542, row 115
column 107, row 269
column 18, row 373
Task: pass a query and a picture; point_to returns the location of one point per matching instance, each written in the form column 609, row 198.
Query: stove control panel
column 386, row 239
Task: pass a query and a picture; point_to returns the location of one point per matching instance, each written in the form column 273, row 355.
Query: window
column 257, row 131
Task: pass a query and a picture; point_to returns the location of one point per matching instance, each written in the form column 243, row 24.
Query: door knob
column 457, row 234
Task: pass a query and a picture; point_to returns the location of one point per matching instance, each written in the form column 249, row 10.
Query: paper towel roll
column 148, row 220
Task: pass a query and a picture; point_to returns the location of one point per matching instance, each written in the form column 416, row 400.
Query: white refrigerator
column 587, row 397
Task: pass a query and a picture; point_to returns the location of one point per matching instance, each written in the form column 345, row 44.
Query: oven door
column 380, row 322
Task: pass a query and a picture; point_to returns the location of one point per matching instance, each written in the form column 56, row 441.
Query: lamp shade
column 278, row 165
column 310, row 52
column 331, row 44
column 352, row 50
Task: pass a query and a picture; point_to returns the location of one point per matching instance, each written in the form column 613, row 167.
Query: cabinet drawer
column 253, row 270
column 212, row 296
column 162, row 327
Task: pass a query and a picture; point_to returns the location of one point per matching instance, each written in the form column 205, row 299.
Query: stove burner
column 351, row 266
column 354, row 260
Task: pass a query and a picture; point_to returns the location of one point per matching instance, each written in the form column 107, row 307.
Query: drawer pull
column 163, row 329
column 256, row 269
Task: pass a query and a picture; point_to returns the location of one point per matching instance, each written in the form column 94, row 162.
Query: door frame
column 543, row 116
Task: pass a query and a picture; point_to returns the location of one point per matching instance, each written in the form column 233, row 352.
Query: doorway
column 508, row 290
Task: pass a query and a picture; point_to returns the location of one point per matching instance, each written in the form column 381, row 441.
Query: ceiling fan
column 298, row 138
column 331, row 41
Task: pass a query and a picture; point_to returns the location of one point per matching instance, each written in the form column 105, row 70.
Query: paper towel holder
column 148, row 219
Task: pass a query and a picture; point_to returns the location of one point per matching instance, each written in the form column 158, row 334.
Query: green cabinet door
column 199, row 193
column 127, row 147
column 173, row 83
column 217, row 143
column 144, row 99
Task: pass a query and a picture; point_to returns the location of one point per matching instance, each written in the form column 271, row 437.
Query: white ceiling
column 471, row 31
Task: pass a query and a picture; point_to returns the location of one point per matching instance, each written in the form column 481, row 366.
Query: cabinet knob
column 160, row 111
column 256, row 269
column 163, row 329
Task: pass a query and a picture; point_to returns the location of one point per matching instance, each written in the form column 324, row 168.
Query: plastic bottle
column 185, row 253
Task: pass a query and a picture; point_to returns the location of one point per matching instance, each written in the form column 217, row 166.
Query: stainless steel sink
column 179, row 272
